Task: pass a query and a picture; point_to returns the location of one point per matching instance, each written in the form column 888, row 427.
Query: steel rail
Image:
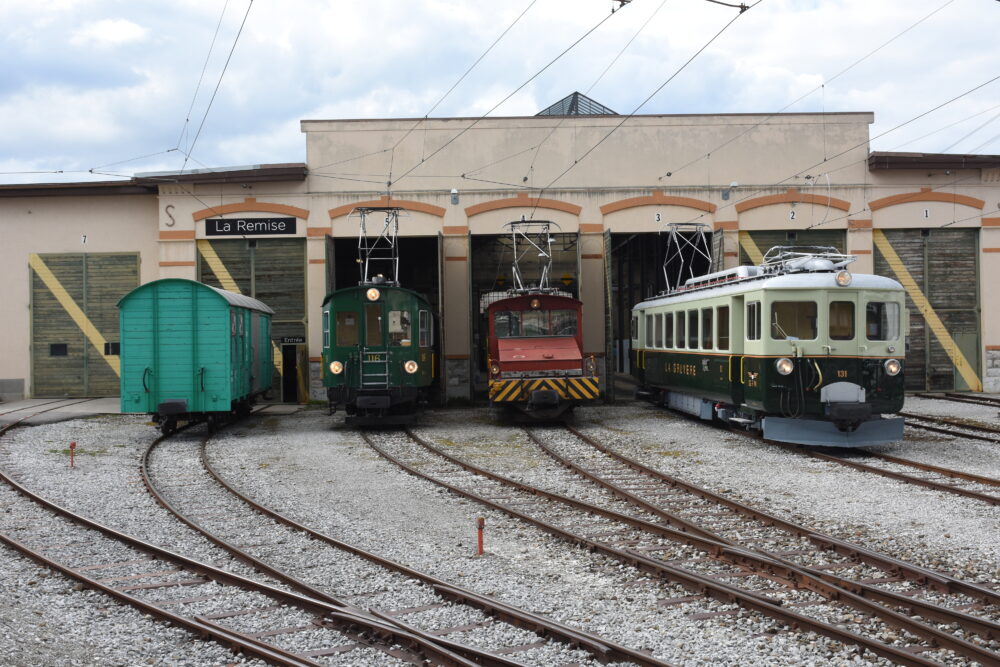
column 983, row 627
column 6, row 427
column 963, row 398
column 892, row 474
column 944, row 423
column 600, row 648
column 427, row 648
column 940, row 582
column 763, row 565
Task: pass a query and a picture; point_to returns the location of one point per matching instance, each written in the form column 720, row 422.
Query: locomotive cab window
column 426, row 339
column 668, row 329
column 692, row 317
column 534, row 323
column 399, row 328
column 722, row 328
column 347, row 328
column 753, row 320
column 882, row 320
column 842, row 320
column 706, row 328
column 793, row 320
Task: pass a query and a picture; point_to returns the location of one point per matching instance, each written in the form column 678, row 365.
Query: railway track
column 964, row 398
column 954, row 427
column 324, row 568
column 968, row 485
column 716, row 548
column 251, row 617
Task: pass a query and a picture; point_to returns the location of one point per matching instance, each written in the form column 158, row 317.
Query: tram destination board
column 250, row 226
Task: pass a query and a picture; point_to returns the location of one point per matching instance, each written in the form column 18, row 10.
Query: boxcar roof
column 232, row 298
column 824, row 280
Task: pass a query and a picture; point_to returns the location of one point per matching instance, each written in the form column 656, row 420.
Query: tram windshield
column 882, row 320
column 534, row 323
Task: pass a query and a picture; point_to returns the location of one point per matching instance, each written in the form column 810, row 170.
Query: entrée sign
column 249, row 226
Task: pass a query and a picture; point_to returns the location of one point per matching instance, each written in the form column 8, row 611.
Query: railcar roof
column 232, row 298
column 792, row 281
column 383, row 287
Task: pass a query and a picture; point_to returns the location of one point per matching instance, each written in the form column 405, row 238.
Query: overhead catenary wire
column 510, row 95
column 201, row 77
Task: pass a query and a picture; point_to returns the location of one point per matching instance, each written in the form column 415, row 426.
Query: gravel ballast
column 323, row 474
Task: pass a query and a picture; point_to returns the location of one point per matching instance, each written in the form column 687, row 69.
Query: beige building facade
column 285, row 233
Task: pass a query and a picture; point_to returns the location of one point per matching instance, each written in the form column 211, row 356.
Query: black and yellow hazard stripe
column 568, row 388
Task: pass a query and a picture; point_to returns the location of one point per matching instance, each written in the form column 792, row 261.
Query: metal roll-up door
column 940, row 268
column 74, row 321
column 754, row 245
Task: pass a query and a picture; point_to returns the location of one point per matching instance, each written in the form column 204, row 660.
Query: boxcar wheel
column 167, row 427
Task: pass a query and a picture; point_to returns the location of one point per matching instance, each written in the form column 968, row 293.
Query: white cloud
column 108, row 33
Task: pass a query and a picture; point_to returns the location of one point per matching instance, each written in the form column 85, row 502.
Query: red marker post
column 480, row 524
column 72, row 449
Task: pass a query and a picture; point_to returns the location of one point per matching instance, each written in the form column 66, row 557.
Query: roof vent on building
column 577, row 104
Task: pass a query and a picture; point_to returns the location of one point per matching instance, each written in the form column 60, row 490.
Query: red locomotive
column 536, row 361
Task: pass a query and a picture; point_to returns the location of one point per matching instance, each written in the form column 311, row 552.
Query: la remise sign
column 249, row 226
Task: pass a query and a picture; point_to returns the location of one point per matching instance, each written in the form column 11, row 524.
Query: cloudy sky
column 98, row 89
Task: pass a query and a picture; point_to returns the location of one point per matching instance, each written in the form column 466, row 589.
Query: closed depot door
column 74, row 321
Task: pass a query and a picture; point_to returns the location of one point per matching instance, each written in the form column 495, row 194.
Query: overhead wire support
column 378, row 249
column 531, row 236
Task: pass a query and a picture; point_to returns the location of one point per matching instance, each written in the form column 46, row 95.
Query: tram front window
column 882, row 320
column 793, row 320
column 534, row 323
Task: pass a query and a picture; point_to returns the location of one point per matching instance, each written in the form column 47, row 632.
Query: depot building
column 287, row 234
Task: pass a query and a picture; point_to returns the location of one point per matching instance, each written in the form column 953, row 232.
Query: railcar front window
column 347, row 328
column 635, row 328
column 659, row 330
column 722, row 328
column 842, row 320
column 706, row 328
column 882, row 320
column 753, row 320
column 373, row 325
column 793, row 320
column 692, row 329
column 535, row 323
column 399, row 328
column 668, row 329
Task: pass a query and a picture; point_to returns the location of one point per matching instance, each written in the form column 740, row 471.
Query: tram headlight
column 535, row 303
column 373, row 294
column 892, row 366
column 784, row 366
column 843, row 278
column 410, row 366
column 336, row 367
column 495, row 368
column 590, row 365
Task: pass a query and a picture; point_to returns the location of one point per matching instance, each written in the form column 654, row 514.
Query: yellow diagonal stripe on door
column 923, row 305
column 73, row 310
column 750, row 248
column 228, row 284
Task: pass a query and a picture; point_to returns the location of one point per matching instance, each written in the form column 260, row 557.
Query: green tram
column 378, row 352
column 797, row 349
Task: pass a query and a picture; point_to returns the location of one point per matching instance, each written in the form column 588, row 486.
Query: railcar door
column 374, row 354
column 845, row 342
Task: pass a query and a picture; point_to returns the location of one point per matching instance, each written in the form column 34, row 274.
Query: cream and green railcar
column 798, row 349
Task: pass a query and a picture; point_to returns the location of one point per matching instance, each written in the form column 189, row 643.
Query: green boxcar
column 378, row 352
column 191, row 352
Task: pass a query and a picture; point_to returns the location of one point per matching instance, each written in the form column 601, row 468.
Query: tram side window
column 692, row 329
column 668, row 329
column 842, row 320
column 635, row 328
column 722, row 328
column 706, row 328
column 326, row 329
column 426, row 339
column 680, row 330
column 753, row 320
column 793, row 320
column 347, row 328
column 659, row 330
column 399, row 328
column 649, row 331
column 882, row 320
